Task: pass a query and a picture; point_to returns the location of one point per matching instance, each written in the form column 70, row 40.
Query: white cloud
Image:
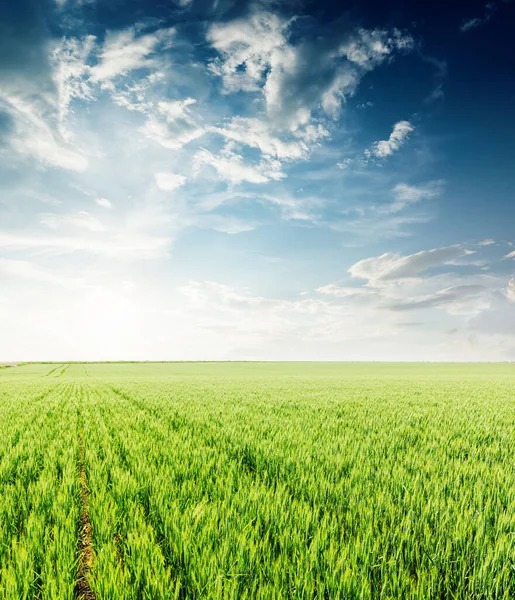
column 346, row 292
column 172, row 125
column 397, row 285
column 115, row 245
column 391, row 266
column 23, row 269
column 246, row 47
column 82, row 220
column 222, row 223
column 70, row 71
column 510, row 290
column 133, row 96
column 168, row 181
column 256, row 134
column 510, row 255
column 290, row 207
column 487, row 242
column 104, row 203
column 232, row 168
column 257, row 321
column 125, row 51
column 398, row 137
column 375, row 222
column 296, row 80
column 457, row 299
column 470, row 296
column 37, row 135
column 345, row 163
column 469, row 24
column 314, row 75
column 36, row 95
column 406, row 195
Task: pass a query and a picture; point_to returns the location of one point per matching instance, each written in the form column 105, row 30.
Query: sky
column 245, row 180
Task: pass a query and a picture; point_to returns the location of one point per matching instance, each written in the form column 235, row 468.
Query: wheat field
column 264, row 481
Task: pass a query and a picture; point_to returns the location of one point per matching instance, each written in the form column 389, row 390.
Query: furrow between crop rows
column 83, row 590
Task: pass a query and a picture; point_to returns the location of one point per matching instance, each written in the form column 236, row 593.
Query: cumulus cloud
column 168, row 181
column 510, row 255
column 391, row 266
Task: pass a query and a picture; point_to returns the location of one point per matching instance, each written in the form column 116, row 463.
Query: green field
column 257, row 481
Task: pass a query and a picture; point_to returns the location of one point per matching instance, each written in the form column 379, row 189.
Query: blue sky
column 256, row 180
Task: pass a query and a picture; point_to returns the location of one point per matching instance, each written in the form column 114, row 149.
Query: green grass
column 258, row 481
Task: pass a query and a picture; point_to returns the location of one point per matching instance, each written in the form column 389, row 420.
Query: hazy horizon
column 257, row 180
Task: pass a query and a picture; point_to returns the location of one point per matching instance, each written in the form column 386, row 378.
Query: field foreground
column 258, row 481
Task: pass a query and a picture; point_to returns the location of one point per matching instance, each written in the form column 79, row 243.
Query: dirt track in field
column 83, row 590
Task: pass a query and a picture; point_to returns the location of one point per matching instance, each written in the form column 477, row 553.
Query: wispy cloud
column 81, row 220
column 232, row 167
column 29, row 271
column 424, row 281
column 468, row 24
column 172, row 124
column 407, row 195
column 391, row 266
column 297, row 79
column 115, row 245
column 125, row 51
